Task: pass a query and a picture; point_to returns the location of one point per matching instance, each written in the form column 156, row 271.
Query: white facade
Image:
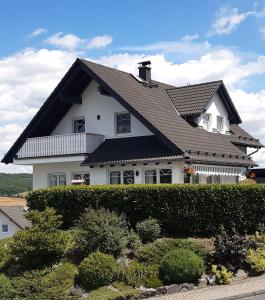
column 93, row 105
column 215, row 109
column 12, row 227
column 100, row 175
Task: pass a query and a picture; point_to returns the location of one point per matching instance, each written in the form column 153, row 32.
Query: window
column 57, row 179
column 195, row 178
column 206, row 121
column 214, row 179
column 165, row 176
column 123, row 123
column 82, row 177
column 115, row 177
column 128, row 177
column 220, row 124
column 79, row 125
column 4, row 228
column 150, row 176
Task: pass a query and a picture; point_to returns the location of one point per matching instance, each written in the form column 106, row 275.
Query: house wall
column 99, row 175
column 93, row 104
column 12, row 227
column 216, row 108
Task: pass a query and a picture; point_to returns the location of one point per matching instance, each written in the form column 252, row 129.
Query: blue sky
column 187, row 41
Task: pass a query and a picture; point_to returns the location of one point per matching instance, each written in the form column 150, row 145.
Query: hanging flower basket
column 189, row 171
column 251, row 175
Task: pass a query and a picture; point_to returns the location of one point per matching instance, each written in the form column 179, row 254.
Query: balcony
column 55, row 145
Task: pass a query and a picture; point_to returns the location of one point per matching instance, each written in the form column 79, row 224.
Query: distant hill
column 13, row 184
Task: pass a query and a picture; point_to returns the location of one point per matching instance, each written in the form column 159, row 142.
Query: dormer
column 215, row 118
column 206, row 105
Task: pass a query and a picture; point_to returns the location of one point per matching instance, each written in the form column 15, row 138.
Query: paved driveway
column 221, row 292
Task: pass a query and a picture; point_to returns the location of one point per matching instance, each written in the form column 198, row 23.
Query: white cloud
column 227, row 20
column 38, row 31
column 189, row 38
column 74, row 42
column 67, row 41
column 99, row 42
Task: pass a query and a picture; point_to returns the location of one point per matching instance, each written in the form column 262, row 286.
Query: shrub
column 5, row 287
column 58, row 282
column 97, row 269
column 180, row 209
column 5, row 253
column 181, row 265
column 113, row 293
column 136, row 274
column 152, row 253
column 28, row 285
column 256, row 259
column 223, row 276
column 231, row 249
column 101, row 230
column 133, row 241
column 41, row 244
column 153, row 282
column 148, row 230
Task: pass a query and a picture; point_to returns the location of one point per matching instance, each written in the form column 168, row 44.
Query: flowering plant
column 189, row 171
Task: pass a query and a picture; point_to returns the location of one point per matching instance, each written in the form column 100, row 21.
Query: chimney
column 145, row 70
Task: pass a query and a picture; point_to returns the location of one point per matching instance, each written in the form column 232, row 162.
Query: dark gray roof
column 130, row 149
column 150, row 104
column 193, row 99
column 159, row 114
column 241, row 137
column 16, row 214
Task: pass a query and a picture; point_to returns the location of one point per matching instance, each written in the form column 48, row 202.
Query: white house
column 104, row 126
column 12, row 219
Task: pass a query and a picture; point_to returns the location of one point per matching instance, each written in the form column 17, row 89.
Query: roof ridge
column 196, row 84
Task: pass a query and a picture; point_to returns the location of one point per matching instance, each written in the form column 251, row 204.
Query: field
column 13, row 184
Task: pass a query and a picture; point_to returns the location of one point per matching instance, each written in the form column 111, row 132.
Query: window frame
column 7, row 231
column 222, row 123
column 118, row 176
column 116, row 114
column 58, row 180
column 209, row 121
column 82, row 176
column 74, row 126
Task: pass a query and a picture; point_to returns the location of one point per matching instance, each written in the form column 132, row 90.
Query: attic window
column 123, row 122
column 220, row 123
column 206, row 121
column 79, row 125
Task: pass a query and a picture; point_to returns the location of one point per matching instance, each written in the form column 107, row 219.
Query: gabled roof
column 16, row 214
column 150, row 104
column 194, row 99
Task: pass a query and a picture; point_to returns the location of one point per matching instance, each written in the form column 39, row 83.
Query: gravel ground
column 220, row 291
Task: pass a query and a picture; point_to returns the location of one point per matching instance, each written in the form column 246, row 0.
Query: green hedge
column 182, row 210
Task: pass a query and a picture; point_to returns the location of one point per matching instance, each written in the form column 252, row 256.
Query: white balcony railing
column 67, row 144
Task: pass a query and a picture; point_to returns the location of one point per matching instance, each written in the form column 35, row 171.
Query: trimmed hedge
column 182, row 210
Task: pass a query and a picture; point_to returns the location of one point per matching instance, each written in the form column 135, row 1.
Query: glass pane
column 62, row 179
column 4, row 228
column 115, row 177
column 150, row 176
column 165, row 176
column 220, row 124
column 128, row 177
column 77, row 177
column 87, row 178
column 79, row 125
column 123, row 123
column 196, row 179
column 53, row 180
